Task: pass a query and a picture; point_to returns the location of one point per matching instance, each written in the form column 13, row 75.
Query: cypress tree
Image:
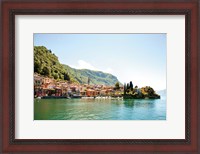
column 128, row 86
column 125, row 88
column 131, row 85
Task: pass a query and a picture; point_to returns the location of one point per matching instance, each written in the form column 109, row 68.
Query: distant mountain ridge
column 162, row 92
column 95, row 77
column 46, row 63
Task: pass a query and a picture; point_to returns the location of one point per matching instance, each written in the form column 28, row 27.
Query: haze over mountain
column 46, row 63
column 96, row 77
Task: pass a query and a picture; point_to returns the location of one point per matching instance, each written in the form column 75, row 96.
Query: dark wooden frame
column 189, row 8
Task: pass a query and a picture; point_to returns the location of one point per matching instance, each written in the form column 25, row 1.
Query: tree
column 128, row 86
column 125, row 88
column 88, row 81
column 37, row 67
column 46, row 63
column 46, row 71
column 131, row 85
column 117, row 85
column 55, row 76
column 61, row 76
column 66, row 77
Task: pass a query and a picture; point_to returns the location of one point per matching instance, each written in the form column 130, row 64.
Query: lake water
column 82, row 109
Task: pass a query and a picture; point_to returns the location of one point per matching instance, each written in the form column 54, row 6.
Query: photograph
column 71, row 69
column 100, row 76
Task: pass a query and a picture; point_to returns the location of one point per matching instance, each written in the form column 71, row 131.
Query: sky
column 140, row 58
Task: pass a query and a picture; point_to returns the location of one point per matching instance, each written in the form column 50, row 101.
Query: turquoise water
column 82, row 109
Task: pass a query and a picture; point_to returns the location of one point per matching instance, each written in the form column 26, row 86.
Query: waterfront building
column 91, row 93
column 48, row 80
column 58, row 91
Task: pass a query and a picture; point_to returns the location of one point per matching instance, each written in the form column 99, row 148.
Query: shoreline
column 96, row 98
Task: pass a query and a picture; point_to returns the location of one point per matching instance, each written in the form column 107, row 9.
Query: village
column 45, row 87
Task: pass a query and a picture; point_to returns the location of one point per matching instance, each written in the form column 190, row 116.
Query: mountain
column 162, row 93
column 95, row 77
column 46, row 63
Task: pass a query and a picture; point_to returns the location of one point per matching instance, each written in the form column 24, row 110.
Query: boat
column 87, row 97
column 54, row 97
column 76, row 96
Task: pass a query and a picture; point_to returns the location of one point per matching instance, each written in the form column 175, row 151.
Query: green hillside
column 95, row 77
column 46, row 63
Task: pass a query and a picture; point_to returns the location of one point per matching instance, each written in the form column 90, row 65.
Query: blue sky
column 140, row 58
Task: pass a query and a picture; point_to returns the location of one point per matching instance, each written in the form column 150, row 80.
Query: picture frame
column 188, row 8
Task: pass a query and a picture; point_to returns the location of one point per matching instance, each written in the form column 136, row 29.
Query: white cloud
column 138, row 79
column 85, row 65
column 108, row 70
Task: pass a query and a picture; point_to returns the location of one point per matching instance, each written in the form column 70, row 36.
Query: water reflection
column 79, row 109
column 139, row 103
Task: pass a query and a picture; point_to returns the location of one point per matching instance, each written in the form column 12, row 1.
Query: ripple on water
column 78, row 109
